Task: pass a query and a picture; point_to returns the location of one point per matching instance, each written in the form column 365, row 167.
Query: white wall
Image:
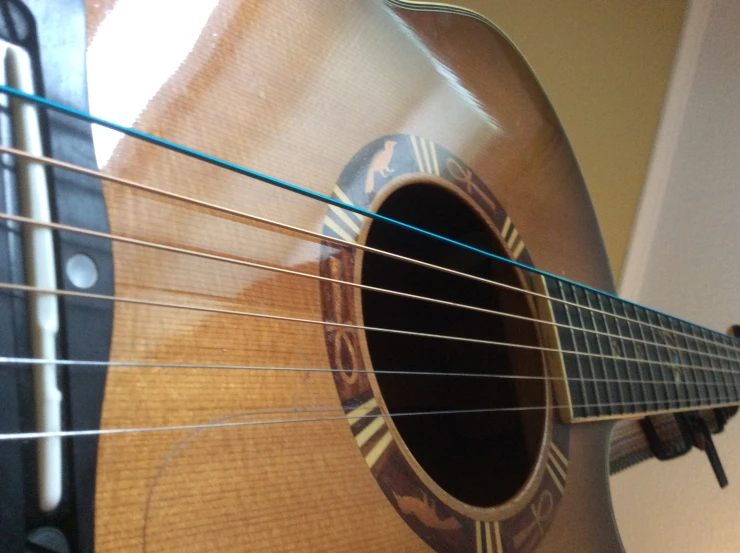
column 685, row 259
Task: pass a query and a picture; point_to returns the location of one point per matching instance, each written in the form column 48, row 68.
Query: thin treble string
column 281, row 270
column 153, row 303
column 263, row 368
column 241, row 170
column 727, row 402
column 344, row 243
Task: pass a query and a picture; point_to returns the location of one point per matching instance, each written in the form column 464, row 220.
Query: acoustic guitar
column 313, row 276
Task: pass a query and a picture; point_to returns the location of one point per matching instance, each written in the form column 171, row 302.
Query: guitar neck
column 620, row 360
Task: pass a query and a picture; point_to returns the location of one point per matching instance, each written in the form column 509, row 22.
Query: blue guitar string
column 218, row 162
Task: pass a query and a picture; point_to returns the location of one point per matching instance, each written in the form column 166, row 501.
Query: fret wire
column 652, row 355
column 599, row 339
column 683, row 355
column 670, row 361
column 713, row 364
column 639, row 353
column 596, row 385
column 731, row 376
column 712, row 391
column 733, row 346
column 732, row 372
column 735, row 341
column 729, row 389
column 595, row 345
column 699, row 376
column 704, row 354
column 716, row 364
column 721, row 401
column 709, row 375
column 735, row 364
column 728, row 339
column 675, row 356
column 678, row 356
column 631, row 349
column 665, row 365
column 615, row 348
column 694, row 356
column 577, row 358
column 639, row 389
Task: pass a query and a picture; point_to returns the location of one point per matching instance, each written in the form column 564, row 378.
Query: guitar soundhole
column 484, row 458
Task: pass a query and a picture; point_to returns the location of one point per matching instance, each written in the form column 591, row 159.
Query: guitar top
column 313, row 276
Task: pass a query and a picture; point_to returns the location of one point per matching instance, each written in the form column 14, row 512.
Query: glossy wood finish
column 294, row 89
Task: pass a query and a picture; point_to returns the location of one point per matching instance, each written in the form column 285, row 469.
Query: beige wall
column 691, row 267
column 605, row 66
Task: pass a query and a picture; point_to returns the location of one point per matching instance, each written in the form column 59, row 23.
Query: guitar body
column 315, row 93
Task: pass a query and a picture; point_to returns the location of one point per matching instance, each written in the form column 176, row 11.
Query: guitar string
column 71, row 433
column 205, row 309
column 244, row 171
column 238, row 169
column 262, row 368
column 350, row 417
column 345, row 243
column 418, row 230
column 243, row 262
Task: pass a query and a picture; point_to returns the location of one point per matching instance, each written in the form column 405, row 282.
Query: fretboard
column 621, row 359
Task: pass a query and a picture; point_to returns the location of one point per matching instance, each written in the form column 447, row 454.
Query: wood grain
column 293, row 90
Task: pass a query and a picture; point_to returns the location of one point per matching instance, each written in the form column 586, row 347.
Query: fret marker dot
column 82, row 271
